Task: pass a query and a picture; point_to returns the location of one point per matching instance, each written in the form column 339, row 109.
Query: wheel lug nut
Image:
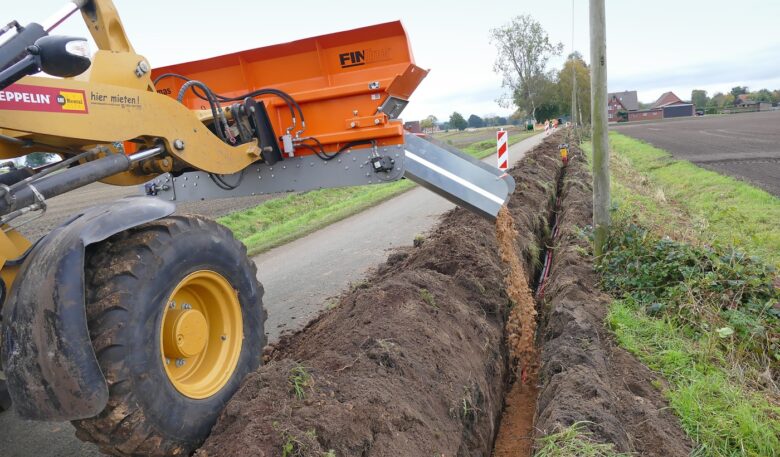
column 172, row 304
column 167, row 361
column 180, row 362
column 224, row 337
column 186, row 306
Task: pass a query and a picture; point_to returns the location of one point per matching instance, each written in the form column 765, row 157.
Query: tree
column 699, row 98
column 761, row 96
column 524, row 48
column 582, row 75
column 548, row 102
column 429, row 122
column 739, row 90
column 476, row 121
column 457, row 121
column 718, row 100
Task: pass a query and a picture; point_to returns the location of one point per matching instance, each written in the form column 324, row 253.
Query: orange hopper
column 351, row 85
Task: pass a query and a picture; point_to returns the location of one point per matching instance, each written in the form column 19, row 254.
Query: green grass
column 717, row 385
column 428, row 298
column 720, row 415
column 574, row 441
column 299, row 379
column 281, row 220
column 734, row 212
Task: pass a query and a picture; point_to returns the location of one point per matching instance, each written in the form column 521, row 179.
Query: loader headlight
column 63, row 56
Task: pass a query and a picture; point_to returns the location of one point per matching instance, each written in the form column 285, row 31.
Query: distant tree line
column 720, row 100
column 458, row 122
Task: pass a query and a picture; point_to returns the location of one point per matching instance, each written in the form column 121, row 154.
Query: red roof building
column 666, row 99
column 614, row 106
column 673, row 106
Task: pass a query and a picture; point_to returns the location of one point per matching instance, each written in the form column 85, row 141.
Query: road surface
column 299, row 278
column 745, row 146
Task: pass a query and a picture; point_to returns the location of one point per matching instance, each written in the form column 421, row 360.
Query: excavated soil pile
column 584, row 376
column 412, row 362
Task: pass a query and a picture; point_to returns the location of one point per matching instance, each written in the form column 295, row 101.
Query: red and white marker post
column 503, row 150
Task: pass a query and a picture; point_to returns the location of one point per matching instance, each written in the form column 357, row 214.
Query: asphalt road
column 299, row 278
column 745, row 146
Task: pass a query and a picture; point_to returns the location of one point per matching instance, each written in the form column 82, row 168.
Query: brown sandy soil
column 584, row 375
column 516, row 432
column 413, row 362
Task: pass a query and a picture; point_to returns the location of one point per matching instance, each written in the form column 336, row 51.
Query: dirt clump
column 411, row 362
column 584, row 375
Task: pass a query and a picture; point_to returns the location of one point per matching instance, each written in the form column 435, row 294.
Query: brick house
column 614, row 107
column 617, row 102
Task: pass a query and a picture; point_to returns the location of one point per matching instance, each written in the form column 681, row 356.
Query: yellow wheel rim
column 201, row 333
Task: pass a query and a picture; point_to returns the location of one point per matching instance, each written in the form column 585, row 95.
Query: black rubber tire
column 128, row 279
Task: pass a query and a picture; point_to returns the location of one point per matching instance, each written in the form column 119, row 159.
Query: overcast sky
column 653, row 46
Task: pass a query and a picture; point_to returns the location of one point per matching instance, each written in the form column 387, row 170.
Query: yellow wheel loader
column 138, row 324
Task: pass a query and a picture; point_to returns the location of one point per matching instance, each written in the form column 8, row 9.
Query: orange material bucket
column 350, row 85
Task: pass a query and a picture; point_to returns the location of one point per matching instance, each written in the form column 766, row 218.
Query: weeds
column 696, row 310
column 428, row 298
column 705, row 317
column 292, row 447
column 574, row 441
column 299, row 380
column 362, row 284
column 713, row 291
column 418, row 241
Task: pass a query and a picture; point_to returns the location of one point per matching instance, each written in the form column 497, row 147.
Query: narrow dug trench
column 583, row 375
column 412, row 362
column 418, row 359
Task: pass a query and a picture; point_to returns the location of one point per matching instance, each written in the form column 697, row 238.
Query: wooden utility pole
column 598, row 115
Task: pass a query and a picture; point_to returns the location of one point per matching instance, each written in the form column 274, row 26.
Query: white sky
column 653, row 45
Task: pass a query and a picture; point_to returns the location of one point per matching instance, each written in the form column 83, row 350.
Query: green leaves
column 703, row 287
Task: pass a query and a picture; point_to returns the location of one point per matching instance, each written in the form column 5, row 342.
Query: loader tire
column 164, row 395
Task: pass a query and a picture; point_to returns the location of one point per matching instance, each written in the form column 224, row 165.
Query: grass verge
column 690, row 304
column 284, row 219
column 729, row 211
